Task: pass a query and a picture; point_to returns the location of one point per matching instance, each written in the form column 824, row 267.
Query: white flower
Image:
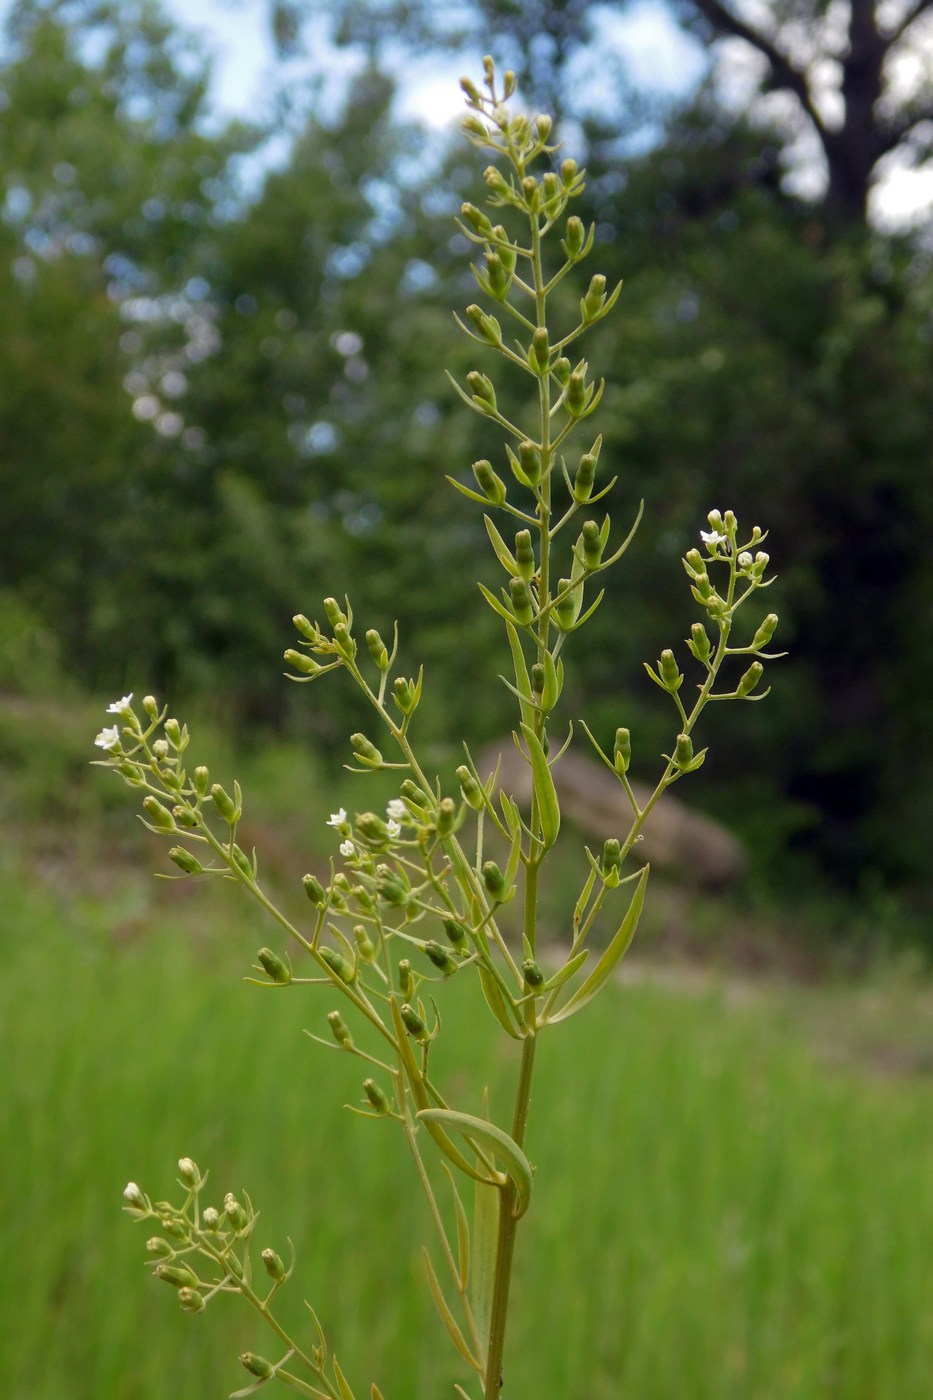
column 108, row 738
column 393, row 828
column 347, row 848
column 712, row 538
column 396, row 810
column 132, row 1193
column 121, row 707
column 337, row 818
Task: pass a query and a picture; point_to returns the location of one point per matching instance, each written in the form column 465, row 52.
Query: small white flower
column 393, row 828
column 347, row 848
column 712, row 538
column 108, row 738
column 121, row 707
column 132, row 1193
column 337, row 818
column 396, row 810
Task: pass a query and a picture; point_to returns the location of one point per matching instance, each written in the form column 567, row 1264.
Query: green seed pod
column 273, row 1264
column 191, row 1300
column 376, row 1097
column 532, row 973
column 699, row 642
column 273, row 966
column 257, row 1365
column 592, row 544
column 530, row 460
column 594, row 301
column 335, row 613
column 522, row 601
column 185, row 861
column 612, row 857
column 446, row 816
column 683, row 751
column 493, row 879
column 159, row 1247
column 574, row 237
column 577, row 395
column 377, row 650
column 765, row 632
column 622, row 751
column 470, row 788
column 476, row 219
column 225, row 804
column 235, row 1213
column 539, row 352
column 440, row 957
column 482, row 391
column 406, row 981
column 456, row 932
column 336, row 963
column 364, row 748
column 339, row 1030
column 178, row 1275
column 314, row 890
column 491, row 485
column 669, row 672
column 525, row 554
column 188, row 1171
column 306, row 628
column 584, row 479
column 751, row 678
column 160, row 817
column 202, row 778
column 414, row 1024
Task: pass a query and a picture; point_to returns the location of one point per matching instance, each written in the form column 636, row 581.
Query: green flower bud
column 568, row 173
column 539, row 353
column 622, row 751
column 446, row 816
column 257, row 1365
column 191, row 1300
column 485, row 325
column 274, row 1266
column 482, row 391
column 584, row 479
column 476, row 219
column 532, row 973
column 574, row 237
column 702, row 588
column 412, row 793
column 565, row 611
column 376, row 1097
column 371, row 827
column 377, row 649
column 543, row 124
column 522, row 601
column 151, row 706
column 225, row 804
column 173, row 732
column 406, row 981
column 473, row 94
column 496, row 182
column 765, row 632
column 577, row 395
column 158, row 815
column 699, row 642
column 509, row 82
column 562, row 371
column 273, row 966
column 505, row 249
column 344, row 642
column 456, row 932
column 186, row 818
column 595, row 299
column 404, row 694
column 364, row 943
column 531, row 194
column 440, row 957
column 592, row 545
column 334, row 612
column 551, row 186
column 178, row 1275
column 306, row 628
column 364, row 749
column 392, row 890
column 493, row 879
column 612, row 857
column 751, row 678
column 201, row 779
column 185, row 861
column 314, row 890
column 306, row 665
column 132, row 773
column 683, row 751
column 498, row 276
column 669, row 672
column 174, row 1227
column 491, row 485
column 470, row 788
column 188, row 1171
column 159, row 1247
column 694, row 563
column 339, row 1030
column 336, row 963
column 538, row 679
column 525, row 554
column 530, row 459
column 235, row 1213
column 414, row 1024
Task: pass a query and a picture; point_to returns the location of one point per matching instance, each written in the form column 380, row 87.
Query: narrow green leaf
column 342, row 1385
column 483, row 1262
column 565, row 973
column 611, row 957
column 522, row 679
column 503, row 553
column 446, row 1316
column 548, row 806
column 482, row 1134
column 496, row 606
column 492, row 993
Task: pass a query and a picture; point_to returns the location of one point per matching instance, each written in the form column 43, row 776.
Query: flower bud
column 334, row 612
column 473, row 95
column 622, row 751
column 565, row 610
column 159, row 1247
column 531, row 193
column 491, row 485
column 372, row 827
column 525, row 554
column 336, row 963
column 612, row 857
column 185, row 861
column 440, row 957
column 314, row 890
column 404, row 694
column 470, row 788
column 584, row 479
column 160, row 749
column 538, row 679
column 496, row 182
column 574, row 236
column 522, row 602
column 406, row 981
column 306, row 628
column 339, row 1030
column 160, row 817
column 592, row 544
column 551, row 186
column 562, row 371
column 202, row 778
column 257, row 1365
column 191, row 1300
column 568, row 172
column 693, row 562
column 530, row 460
column 751, row 678
column 543, row 124
column 274, row 1266
column 412, row 793
column 210, row 1218
column 539, row 353
column 224, row 804
column 765, row 632
column 699, row 642
column 234, row 1212
column 186, row 818
column 414, row 1023
column 446, row 816
column 273, row 966
column 669, row 672
column 482, row 391
column 683, row 751
column 376, row 1097
column 174, row 1227
column 455, row 931
column 498, row 275
column 532, row 974
column 366, row 946
column 485, row 325
column 306, row 665
column 173, row 732
column 343, row 641
column 493, row 879
column 509, row 82
column 577, row 395
column 151, row 706
column 702, row 587
column 477, row 220
column 178, row 1275
column 188, row 1171
column 391, row 889
column 595, row 299
column 364, row 748
column 377, row 649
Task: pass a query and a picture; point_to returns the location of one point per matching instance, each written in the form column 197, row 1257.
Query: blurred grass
column 718, row 1212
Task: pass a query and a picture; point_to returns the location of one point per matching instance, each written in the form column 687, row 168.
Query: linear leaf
column 483, row 1262
column 446, row 1316
column 503, row 553
column 548, row 806
column 483, row 1134
column 342, row 1385
column 611, row 957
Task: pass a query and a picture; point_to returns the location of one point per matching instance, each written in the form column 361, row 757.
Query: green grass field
column 720, row 1211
